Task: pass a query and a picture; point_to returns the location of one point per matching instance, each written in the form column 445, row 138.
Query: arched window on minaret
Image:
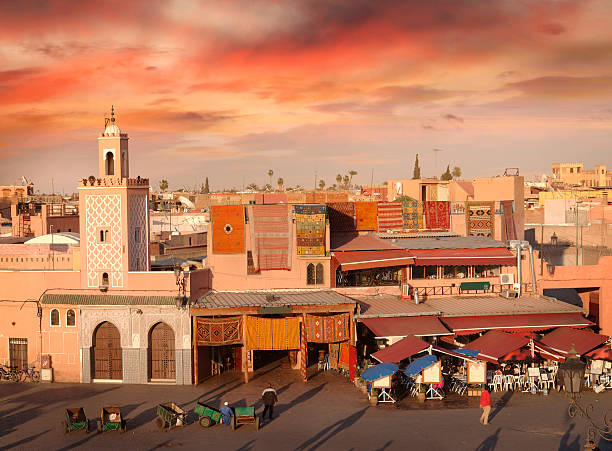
column 110, row 163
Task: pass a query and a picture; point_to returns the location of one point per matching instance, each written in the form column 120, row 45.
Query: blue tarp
column 419, row 364
column 467, row 352
column 377, row 371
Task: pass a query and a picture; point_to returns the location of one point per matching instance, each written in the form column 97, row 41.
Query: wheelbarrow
column 110, row 420
column 207, row 416
column 245, row 415
column 75, row 420
column 169, row 415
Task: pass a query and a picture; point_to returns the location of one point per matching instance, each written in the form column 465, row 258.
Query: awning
column 401, row 350
column 351, row 261
column 456, row 354
column 495, row 344
column 602, row 353
column 562, row 339
column 402, row 326
column 379, row 371
column 420, row 364
column 465, row 325
column 481, row 256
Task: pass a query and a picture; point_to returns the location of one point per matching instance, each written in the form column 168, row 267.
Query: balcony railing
column 446, row 290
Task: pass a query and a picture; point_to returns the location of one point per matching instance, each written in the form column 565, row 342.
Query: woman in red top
column 485, row 405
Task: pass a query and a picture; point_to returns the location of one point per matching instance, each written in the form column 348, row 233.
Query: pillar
column 194, row 348
column 248, row 356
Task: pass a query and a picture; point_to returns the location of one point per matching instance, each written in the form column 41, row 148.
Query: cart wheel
column 257, row 424
column 205, row 422
column 160, row 423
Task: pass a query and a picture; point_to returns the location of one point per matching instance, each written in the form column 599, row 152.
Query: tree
column 163, row 185
column 404, row 199
column 339, row 179
column 267, row 187
column 206, row 187
column 346, row 181
column 447, row 174
column 456, row 172
column 351, row 174
column 280, row 182
column 252, row 186
column 322, row 184
column 270, row 174
column 417, row 170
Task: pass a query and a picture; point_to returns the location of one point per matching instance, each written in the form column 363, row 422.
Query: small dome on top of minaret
column 111, row 127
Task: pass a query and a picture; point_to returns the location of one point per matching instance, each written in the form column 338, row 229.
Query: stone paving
column 327, row 412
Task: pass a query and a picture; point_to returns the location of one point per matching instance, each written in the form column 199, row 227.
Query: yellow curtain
column 272, row 333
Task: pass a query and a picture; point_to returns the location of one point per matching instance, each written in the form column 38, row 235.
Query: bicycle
column 9, row 373
column 30, row 373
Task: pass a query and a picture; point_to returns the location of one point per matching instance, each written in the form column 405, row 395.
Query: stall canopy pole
column 304, row 350
column 244, row 344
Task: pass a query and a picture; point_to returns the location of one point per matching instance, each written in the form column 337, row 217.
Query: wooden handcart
column 245, row 415
column 75, row 420
column 207, row 416
column 169, row 415
column 111, row 420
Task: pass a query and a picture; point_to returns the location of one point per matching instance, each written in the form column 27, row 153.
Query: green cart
column 111, row 420
column 169, row 415
column 207, row 415
column 75, row 420
column 245, row 415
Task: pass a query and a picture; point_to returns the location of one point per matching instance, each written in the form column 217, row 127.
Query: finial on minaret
column 112, row 113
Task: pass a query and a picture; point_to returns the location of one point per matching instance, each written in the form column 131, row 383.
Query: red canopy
column 482, row 256
column 495, row 344
column 419, row 326
column 518, row 355
column 466, row 325
column 561, row 340
column 401, row 350
column 350, row 261
column 602, row 353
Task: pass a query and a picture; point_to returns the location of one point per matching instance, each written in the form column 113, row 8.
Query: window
column 18, row 352
column 486, row 271
column 110, row 163
column 105, row 279
column 55, row 317
column 103, row 236
column 455, row 272
column 431, row 272
column 138, row 235
column 319, row 276
column 310, row 274
column 70, row 318
column 70, row 230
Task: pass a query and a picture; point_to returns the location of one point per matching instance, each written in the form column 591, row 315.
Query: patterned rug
column 413, row 215
column 327, row 329
column 310, row 229
column 271, row 236
column 437, row 214
column 219, row 331
column 344, row 359
column 228, row 229
column 341, row 216
column 390, row 216
column 272, row 333
column 366, row 215
column 480, row 218
column 509, row 227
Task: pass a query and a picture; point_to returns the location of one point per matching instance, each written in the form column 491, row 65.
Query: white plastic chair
column 508, row 382
column 497, row 383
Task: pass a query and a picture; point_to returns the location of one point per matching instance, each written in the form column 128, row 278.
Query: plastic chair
column 497, row 383
column 508, row 382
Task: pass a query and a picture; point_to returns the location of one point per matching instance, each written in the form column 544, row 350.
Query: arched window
column 55, row 317
column 310, row 274
column 320, row 273
column 70, row 318
column 105, row 279
column 110, row 163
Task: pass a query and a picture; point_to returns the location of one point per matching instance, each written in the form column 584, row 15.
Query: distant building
column 575, row 174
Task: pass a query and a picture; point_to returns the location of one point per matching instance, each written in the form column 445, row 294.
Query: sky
column 308, row 88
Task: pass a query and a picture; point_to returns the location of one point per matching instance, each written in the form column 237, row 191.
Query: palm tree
column 322, row 184
column 270, row 174
column 163, row 185
column 351, row 173
column 339, row 179
column 346, row 181
column 280, row 183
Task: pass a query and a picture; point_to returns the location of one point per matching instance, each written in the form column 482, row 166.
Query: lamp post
column 572, row 374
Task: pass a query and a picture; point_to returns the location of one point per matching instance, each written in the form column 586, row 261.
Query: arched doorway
column 110, row 163
column 161, row 353
column 107, row 353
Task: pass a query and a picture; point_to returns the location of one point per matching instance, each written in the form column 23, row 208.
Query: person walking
column 227, row 413
column 485, row 405
column 269, row 398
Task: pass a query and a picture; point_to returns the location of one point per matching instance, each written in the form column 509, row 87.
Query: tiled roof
column 272, row 298
column 340, row 242
column 465, row 305
column 458, row 242
column 103, row 299
column 391, row 306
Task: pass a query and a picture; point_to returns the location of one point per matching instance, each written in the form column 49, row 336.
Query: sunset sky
column 230, row 89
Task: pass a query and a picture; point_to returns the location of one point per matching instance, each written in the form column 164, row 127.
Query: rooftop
column 271, row 298
column 72, row 238
column 106, row 299
column 458, row 242
column 391, row 306
column 342, row 242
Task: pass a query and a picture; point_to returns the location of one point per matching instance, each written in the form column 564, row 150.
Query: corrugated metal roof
column 229, row 299
column 102, row 299
column 458, row 242
column 413, row 235
column 341, row 242
column 391, row 306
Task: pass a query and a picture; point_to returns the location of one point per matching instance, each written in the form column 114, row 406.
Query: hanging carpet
column 480, row 218
column 344, row 359
column 272, row 333
column 509, row 227
column 341, row 216
column 437, row 214
column 390, row 216
column 366, row 215
column 271, row 228
column 310, row 229
column 228, row 229
column 219, row 331
column 413, row 214
column 328, row 329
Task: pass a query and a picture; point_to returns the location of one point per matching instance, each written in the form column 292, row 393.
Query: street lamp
column 572, row 374
column 554, row 239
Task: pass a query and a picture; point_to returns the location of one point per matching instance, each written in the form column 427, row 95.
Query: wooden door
column 108, row 356
column 18, row 352
column 161, row 351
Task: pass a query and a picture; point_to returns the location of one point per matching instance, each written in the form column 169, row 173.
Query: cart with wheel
column 245, row 415
column 75, row 420
column 111, row 420
column 207, row 416
column 169, row 415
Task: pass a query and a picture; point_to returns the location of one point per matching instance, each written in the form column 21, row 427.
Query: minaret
column 114, row 212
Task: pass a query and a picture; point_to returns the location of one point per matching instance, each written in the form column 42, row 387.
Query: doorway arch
column 107, row 353
column 162, row 354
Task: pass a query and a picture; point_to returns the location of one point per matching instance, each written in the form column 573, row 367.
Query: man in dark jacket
column 269, row 399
